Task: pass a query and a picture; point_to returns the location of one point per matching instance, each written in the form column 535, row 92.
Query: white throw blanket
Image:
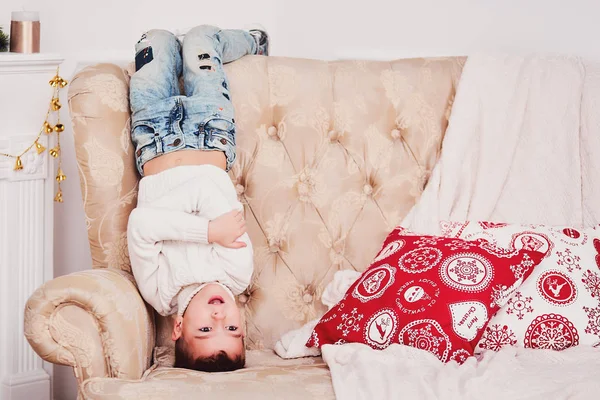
column 523, row 146
column 403, row 372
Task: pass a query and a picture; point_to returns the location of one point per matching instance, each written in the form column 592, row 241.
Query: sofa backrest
column 331, row 157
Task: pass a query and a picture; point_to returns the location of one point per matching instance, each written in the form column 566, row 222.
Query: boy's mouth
column 215, row 300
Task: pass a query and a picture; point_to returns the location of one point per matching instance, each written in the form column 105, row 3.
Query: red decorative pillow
column 429, row 292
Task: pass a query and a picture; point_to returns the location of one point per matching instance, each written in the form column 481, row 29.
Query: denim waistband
column 178, row 123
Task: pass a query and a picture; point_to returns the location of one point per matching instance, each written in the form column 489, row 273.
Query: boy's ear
column 177, row 328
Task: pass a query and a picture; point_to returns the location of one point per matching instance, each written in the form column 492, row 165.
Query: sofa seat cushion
column 266, row 376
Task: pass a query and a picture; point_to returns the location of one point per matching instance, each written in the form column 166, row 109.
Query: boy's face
column 211, row 323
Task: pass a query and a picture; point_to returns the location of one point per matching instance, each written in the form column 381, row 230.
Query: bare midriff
column 185, row 157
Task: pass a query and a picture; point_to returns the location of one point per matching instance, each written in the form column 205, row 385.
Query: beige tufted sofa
column 331, row 156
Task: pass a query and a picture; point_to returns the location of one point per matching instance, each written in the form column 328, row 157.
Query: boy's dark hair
column 218, row 362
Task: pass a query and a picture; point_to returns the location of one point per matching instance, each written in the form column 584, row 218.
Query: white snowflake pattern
column 552, row 336
column 551, row 331
column 498, row 297
column 460, row 356
column 593, row 326
column 456, row 244
column 427, row 241
column 520, row 269
column 420, row 259
column 519, row 305
column 350, row 322
column 423, row 339
column 467, row 270
column 497, row 336
column 591, row 280
column 569, row 260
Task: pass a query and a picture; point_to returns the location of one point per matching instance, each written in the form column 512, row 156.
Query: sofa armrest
column 95, row 321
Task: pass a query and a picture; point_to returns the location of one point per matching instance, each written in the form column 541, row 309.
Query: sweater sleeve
column 146, row 231
column 156, row 224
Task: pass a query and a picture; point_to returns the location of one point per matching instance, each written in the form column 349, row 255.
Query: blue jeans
column 162, row 119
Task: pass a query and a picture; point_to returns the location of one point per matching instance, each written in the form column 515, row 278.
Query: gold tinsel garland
column 57, row 83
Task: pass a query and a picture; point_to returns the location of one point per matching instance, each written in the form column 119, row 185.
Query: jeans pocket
column 219, row 134
column 219, row 123
column 143, row 137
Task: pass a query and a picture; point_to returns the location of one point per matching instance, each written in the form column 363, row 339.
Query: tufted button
column 333, row 136
column 240, row 189
column 272, row 132
column 395, row 134
column 303, row 189
column 273, row 244
column 338, row 246
column 307, row 298
column 303, row 185
column 367, row 189
column 243, row 298
column 401, row 122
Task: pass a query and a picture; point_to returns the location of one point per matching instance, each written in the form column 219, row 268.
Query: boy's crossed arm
column 151, row 225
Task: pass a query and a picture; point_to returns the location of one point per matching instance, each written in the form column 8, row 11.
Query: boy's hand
column 224, row 230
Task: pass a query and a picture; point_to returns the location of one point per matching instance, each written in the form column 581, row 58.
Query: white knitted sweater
column 167, row 235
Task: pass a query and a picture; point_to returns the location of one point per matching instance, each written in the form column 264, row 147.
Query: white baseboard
column 26, row 386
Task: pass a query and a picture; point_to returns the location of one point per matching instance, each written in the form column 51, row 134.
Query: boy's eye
column 232, row 328
column 204, row 329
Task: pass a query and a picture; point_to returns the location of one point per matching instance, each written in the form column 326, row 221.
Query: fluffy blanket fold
column 402, row 372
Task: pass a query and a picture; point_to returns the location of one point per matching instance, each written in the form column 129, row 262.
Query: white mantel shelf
column 26, row 218
column 18, row 63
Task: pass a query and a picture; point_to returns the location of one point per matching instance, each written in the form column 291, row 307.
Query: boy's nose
column 218, row 315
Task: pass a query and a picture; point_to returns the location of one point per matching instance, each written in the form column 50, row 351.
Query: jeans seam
column 175, row 75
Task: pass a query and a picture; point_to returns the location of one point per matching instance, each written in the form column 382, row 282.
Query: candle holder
column 25, row 32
